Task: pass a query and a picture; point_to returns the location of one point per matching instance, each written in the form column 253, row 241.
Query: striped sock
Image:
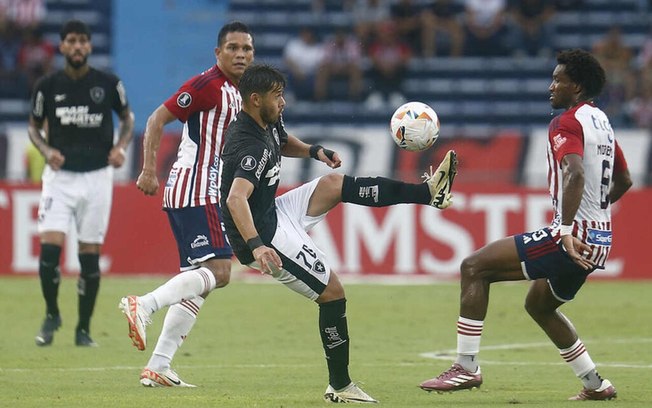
column 581, row 364
column 469, row 334
column 178, row 322
column 186, row 285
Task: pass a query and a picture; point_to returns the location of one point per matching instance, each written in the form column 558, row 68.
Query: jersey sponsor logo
column 598, row 237
column 248, row 163
column 200, row 241
column 214, row 176
column 79, row 116
column 184, row 100
column 263, row 163
column 59, row 97
column 273, row 174
column 558, row 141
column 97, row 94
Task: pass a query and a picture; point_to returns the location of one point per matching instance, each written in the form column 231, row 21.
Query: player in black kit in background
column 73, row 108
column 270, row 234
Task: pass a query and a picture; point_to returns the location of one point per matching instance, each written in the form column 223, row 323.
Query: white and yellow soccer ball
column 414, row 126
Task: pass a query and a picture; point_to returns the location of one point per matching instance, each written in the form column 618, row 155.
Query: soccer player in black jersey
column 71, row 124
column 270, row 234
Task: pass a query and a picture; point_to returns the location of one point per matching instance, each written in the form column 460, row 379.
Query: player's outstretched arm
column 147, row 180
column 296, row 148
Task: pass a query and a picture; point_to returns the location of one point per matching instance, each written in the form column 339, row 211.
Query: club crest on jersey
column 319, row 267
column 184, row 100
column 275, row 133
column 248, row 163
column 97, row 94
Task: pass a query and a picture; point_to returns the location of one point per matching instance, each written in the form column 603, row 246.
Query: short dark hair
column 260, row 79
column 74, row 26
column 232, row 27
column 583, row 69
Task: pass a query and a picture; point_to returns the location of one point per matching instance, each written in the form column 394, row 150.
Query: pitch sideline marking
column 433, row 355
column 450, row 353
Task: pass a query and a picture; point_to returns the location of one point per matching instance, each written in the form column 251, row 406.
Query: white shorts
column 305, row 269
column 82, row 197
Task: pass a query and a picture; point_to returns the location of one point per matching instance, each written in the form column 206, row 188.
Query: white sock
column 177, row 324
column 186, row 285
column 469, row 334
column 580, row 362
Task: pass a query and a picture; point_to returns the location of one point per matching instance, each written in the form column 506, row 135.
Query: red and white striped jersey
column 206, row 104
column 585, row 130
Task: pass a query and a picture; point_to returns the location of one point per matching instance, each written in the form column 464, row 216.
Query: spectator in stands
column 12, row 80
column 486, row 27
column 407, row 17
column 534, row 30
column 342, row 59
column 639, row 109
column 36, row 56
column 616, row 58
column 367, row 15
column 302, row 56
column 442, row 27
column 565, row 5
column 389, row 61
column 26, row 14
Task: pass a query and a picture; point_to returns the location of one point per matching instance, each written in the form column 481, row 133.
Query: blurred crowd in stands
column 386, row 35
column 25, row 55
column 369, row 61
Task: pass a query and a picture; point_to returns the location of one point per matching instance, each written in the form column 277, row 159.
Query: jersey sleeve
column 282, row 133
column 120, row 102
column 251, row 161
column 620, row 164
column 188, row 100
column 39, row 97
column 567, row 138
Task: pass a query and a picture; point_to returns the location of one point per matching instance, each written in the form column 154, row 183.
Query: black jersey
column 78, row 112
column 252, row 153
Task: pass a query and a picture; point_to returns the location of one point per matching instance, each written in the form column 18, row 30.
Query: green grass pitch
column 257, row 345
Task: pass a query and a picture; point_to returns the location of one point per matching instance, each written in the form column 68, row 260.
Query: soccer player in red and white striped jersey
column 206, row 104
column 587, row 172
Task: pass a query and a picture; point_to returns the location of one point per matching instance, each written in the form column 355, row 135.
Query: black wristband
column 255, row 242
column 314, row 149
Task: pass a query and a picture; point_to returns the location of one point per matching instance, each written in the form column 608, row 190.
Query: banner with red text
column 404, row 241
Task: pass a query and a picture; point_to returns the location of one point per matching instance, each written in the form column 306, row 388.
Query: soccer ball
column 414, row 126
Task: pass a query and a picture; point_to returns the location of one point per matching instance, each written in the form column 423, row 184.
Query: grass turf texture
column 257, row 345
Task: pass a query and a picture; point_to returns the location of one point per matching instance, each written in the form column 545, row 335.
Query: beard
column 268, row 116
column 76, row 64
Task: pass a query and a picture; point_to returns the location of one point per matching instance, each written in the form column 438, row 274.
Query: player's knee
column 222, row 275
column 332, row 183
column 90, row 266
column 49, row 261
column 470, row 268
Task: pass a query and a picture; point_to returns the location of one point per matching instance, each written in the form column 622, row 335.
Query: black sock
column 87, row 288
column 48, row 270
column 335, row 339
column 381, row 192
